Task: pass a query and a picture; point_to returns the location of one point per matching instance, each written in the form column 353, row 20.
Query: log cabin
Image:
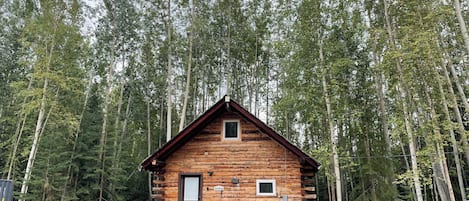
column 229, row 154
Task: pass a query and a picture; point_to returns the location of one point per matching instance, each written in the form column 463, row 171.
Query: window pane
column 231, row 129
column 266, row 188
column 191, row 188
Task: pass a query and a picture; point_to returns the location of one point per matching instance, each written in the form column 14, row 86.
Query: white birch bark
column 124, row 129
column 457, row 83
column 117, row 120
column 442, row 166
column 103, row 139
column 382, row 108
column 149, row 147
column 39, row 123
column 37, row 131
column 462, row 24
column 116, row 129
column 168, row 79
column 454, row 142
column 188, row 74
column 445, row 103
column 457, row 113
column 18, row 133
column 332, row 128
column 228, row 52
column 408, row 127
column 160, row 126
column 46, row 119
column 38, row 139
column 412, row 149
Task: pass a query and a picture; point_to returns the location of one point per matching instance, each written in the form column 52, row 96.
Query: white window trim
column 258, row 189
column 239, row 130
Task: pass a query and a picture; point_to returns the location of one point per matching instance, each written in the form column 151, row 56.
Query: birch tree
column 333, row 132
column 462, row 24
column 189, row 69
column 169, row 78
column 42, row 67
column 111, row 9
column 403, row 99
column 12, row 108
column 53, row 39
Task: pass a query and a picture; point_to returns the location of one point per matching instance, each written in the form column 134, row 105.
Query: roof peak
column 213, row 112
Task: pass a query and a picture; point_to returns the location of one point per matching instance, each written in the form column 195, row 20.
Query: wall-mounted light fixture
column 210, row 173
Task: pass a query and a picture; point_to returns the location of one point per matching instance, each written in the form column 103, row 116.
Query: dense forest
column 375, row 90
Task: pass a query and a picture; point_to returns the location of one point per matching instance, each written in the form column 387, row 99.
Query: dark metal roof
column 223, row 105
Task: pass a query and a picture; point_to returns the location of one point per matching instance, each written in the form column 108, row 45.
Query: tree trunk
column 454, row 142
column 439, row 181
column 330, row 187
column 228, row 52
column 117, row 120
column 442, row 167
column 77, row 133
column 39, row 123
column 402, row 92
column 332, row 129
column 149, row 147
column 412, row 147
column 188, row 75
column 160, row 139
column 115, row 161
column 462, row 24
column 458, row 115
column 124, row 129
column 168, row 79
column 382, row 111
column 368, row 158
column 46, row 184
column 18, row 133
column 37, row 131
column 102, row 141
column 119, row 107
column 457, row 83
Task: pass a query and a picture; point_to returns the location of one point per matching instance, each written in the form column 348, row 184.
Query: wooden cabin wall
column 254, row 156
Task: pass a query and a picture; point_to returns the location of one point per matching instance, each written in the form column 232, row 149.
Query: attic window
column 231, row 129
column 265, row 187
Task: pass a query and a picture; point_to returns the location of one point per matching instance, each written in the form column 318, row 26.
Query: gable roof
column 223, row 105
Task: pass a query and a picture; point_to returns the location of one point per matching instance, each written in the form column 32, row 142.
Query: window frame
column 238, row 134
column 258, row 187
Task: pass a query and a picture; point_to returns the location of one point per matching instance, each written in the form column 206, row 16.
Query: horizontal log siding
column 254, row 156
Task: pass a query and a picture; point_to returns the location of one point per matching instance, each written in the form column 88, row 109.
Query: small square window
column 231, row 129
column 265, row 187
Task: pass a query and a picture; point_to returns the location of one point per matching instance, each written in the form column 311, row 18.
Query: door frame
column 183, row 175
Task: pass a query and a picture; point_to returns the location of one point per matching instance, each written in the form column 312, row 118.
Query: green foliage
column 266, row 52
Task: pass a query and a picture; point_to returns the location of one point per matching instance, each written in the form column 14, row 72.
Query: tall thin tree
column 169, row 79
column 405, row 109
column 189, row 69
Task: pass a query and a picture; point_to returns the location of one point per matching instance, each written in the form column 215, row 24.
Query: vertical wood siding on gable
column 254, row 156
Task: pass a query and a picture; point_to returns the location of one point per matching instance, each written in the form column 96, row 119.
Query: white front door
column 191, row 188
